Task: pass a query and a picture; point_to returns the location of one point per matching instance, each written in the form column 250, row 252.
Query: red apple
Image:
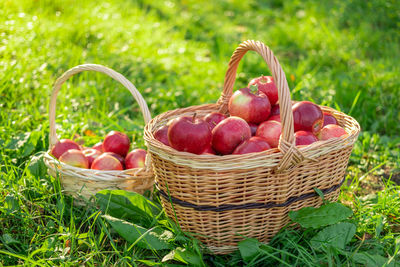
column 106, row 162
column 135, row 159
column 120, row 158
column 99, row 147
column 254, row 108
column 304, row 138
column 275, row 118
column 189, row 134
column 162, row 134
column 214, row 118
column 331, row 131
column 254, row 144
column 329, row 119
column 62, row 146
column 91, row 154
column 271, row 131
column 307, row 116
column 75, row 157
column 116, row 142
column 253, row 128
column 209, row 151
column 275, row 110
column 229, row 133
column 266, row 85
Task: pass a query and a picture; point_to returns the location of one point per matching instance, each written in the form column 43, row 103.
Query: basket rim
column 96, row 175
column 269, row 158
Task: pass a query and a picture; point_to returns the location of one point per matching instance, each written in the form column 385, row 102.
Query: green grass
column 343, row 54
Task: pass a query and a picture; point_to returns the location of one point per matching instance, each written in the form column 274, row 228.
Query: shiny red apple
column 271, row 131
column 161, row 134
column 120, row 158
column 229, row 133
column 106, row 162
column 307, row 116
column 116, row 142
column 266, row 85
column 99, row 147
column 254, row 144
column 62, row 146
column 214, row 118
column 135, row 159
column 329, row 119
column 209, row 151
column 331, row 131
column 189, row 134
column 275, row 118
column 252, row 107
column 91, row 154
column 304, row 138
column 75, row 157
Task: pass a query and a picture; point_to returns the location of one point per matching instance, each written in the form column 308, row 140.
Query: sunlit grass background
column 344, row 54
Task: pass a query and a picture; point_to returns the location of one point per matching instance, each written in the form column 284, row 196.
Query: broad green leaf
column 185, row 256
column 9, row 240
column 368, row 260
column 129, row 206
column 337, row 235
column 156, row 238
column 328, row 214
column 249, row 249
column 37, row 167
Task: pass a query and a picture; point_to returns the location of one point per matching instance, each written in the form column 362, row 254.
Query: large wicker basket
column 80, row 182
column 220, row 199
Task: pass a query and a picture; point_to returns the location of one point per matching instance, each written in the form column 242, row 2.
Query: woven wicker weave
column 220, row 198
column 86, row 182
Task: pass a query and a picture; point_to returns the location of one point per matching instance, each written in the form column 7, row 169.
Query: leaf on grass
column 156, row 238
column 328, row 214
column 37, row 167
column 184, row 255
column 337, row 235
column 249, row 249
column 129, row 206
column 9, row 240
column 368, row 260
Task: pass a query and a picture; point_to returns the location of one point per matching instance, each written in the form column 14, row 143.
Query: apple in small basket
column 99, row 147
column 229, row 133
column 250, row 105
column 120, row 158
column 62, row 146
column 329, row 119
column 266, row 85
column 116, row 142
column 75, row 157
column 307, row 116
column 135, row 159
column 189, row 134
column 91, row 154
column 106, row 162
column 332, row 131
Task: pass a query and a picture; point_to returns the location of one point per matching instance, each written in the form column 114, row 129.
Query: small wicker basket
column 220, row 199
column 80, row 182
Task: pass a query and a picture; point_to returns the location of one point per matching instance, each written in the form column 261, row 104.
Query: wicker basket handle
column 291, row 155
column 99, row 68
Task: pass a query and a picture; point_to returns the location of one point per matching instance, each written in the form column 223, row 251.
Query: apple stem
column 253, row 89
column 194, row 116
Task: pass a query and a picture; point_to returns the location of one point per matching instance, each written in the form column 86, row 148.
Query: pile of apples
column 254, row 124
column 111, row 154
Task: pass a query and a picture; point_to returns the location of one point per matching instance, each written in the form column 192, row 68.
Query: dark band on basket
column 226, row 207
